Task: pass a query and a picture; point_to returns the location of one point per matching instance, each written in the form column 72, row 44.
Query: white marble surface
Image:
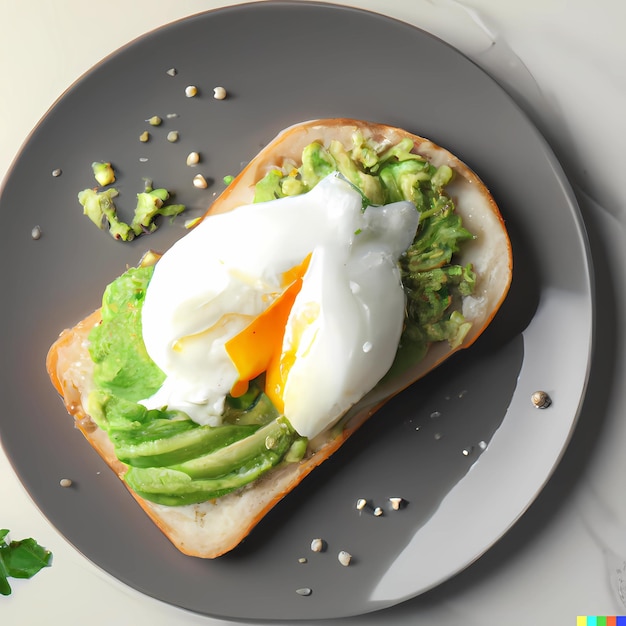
column 565, row 63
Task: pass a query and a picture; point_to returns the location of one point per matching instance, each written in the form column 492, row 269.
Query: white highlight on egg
column 213, row 282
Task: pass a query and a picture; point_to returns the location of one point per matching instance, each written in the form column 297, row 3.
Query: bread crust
column 213, row 528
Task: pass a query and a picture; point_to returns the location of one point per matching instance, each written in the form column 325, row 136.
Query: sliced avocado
column 157, row 438
column 170, row 487
column 180, row 447
column 214, row 475
column 260, row 412
column 269, row 442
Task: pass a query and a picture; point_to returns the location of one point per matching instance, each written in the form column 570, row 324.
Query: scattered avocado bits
column 100, row 208
column 103, row 173
column 20, row 559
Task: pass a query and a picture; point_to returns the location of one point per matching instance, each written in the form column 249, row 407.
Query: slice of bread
column 212, row 528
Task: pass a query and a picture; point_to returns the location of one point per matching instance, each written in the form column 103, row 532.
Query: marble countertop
column 565, row 64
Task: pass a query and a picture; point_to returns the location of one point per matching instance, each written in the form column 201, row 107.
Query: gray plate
column 456, row 446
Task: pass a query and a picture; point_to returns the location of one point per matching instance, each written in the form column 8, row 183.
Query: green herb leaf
column 20, row 559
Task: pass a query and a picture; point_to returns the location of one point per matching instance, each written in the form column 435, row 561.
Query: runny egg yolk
column 281, row 364
column 256, row 349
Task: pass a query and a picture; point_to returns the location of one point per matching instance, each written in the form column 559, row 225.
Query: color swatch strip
column 601, row 620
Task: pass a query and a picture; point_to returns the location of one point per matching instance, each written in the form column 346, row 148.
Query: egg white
column 347, row 317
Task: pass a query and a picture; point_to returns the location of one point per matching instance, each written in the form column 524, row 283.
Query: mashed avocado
column 173, row 460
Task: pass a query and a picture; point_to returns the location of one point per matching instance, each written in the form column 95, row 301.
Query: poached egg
column 305, row 288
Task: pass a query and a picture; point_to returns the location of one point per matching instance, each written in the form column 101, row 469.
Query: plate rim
column 548, row 152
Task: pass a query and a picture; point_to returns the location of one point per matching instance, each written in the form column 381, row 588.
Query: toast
column 212, row 528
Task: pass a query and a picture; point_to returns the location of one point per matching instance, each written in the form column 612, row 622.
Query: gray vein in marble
column 608, row 532
column 497, row 56
column 574, row 115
